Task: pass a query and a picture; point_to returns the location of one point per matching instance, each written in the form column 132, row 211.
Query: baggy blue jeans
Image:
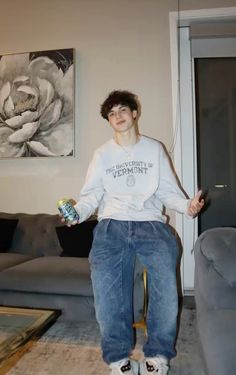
column 112, row 258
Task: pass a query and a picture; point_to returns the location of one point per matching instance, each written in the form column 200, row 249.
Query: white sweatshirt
column 130, row 183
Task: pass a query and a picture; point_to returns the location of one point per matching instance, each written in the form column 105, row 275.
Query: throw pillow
column 76, row 241
column 7, row 228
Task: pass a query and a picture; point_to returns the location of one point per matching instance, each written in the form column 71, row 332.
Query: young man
column 129, row 180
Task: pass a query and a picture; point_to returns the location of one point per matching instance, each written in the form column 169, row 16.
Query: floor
column 74, row 349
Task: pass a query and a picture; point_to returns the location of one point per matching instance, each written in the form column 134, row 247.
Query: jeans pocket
column 100, row 238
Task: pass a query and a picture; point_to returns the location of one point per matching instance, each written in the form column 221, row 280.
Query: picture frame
column 37, row 104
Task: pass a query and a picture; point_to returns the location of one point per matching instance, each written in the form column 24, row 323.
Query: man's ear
column 135, row 114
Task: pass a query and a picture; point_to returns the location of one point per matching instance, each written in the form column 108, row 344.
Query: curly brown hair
column 119, row 97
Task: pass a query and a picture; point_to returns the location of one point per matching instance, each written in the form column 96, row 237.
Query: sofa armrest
column 215, row 266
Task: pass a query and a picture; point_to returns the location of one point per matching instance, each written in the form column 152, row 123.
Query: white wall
column 120, row 44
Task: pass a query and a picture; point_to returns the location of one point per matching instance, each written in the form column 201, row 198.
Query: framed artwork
column 37, row 104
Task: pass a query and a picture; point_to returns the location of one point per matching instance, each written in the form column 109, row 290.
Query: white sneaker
column 156, row 365
column 124, row 367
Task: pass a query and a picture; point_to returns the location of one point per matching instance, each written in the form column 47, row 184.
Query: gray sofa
column 34, row 274
column 215, row 295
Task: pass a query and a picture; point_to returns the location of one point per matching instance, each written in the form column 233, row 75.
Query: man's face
column 121, row 118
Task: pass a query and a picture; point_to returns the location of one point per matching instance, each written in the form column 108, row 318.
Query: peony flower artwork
column 37, row 104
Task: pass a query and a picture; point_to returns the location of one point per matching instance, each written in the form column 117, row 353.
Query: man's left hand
column 195, row 204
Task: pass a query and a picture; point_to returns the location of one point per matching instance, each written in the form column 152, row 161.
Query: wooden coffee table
column 18, row 325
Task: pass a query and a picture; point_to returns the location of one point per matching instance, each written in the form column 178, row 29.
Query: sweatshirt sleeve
column 92, row 190
column 169, row 192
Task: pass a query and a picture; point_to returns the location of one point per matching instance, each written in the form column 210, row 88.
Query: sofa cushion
column 35, row 234
column 7, row 228
column 76, row 241
column 8, row 260
column 49, row 274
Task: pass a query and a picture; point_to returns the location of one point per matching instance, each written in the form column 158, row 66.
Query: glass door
column 206, row 135
column 215, row 93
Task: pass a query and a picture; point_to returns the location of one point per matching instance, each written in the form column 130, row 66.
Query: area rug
column 74, row 349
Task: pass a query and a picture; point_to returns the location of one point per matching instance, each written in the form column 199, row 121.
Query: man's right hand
column 68, row 223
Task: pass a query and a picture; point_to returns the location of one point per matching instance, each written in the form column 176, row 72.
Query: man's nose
column 117, row 114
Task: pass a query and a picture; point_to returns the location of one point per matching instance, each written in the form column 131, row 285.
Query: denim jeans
column 112, row 258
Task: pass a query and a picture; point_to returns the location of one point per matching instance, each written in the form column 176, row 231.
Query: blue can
column 67, row 210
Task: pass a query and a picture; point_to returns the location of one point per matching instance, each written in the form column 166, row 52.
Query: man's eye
column 124, row 109
column 110, row 114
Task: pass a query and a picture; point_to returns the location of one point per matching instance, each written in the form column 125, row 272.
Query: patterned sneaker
column 124, row 367
column 156, row 365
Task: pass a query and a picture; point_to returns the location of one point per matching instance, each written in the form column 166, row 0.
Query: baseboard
column 189, row 292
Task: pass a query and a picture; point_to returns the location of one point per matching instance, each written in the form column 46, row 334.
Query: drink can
column 67, row 210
